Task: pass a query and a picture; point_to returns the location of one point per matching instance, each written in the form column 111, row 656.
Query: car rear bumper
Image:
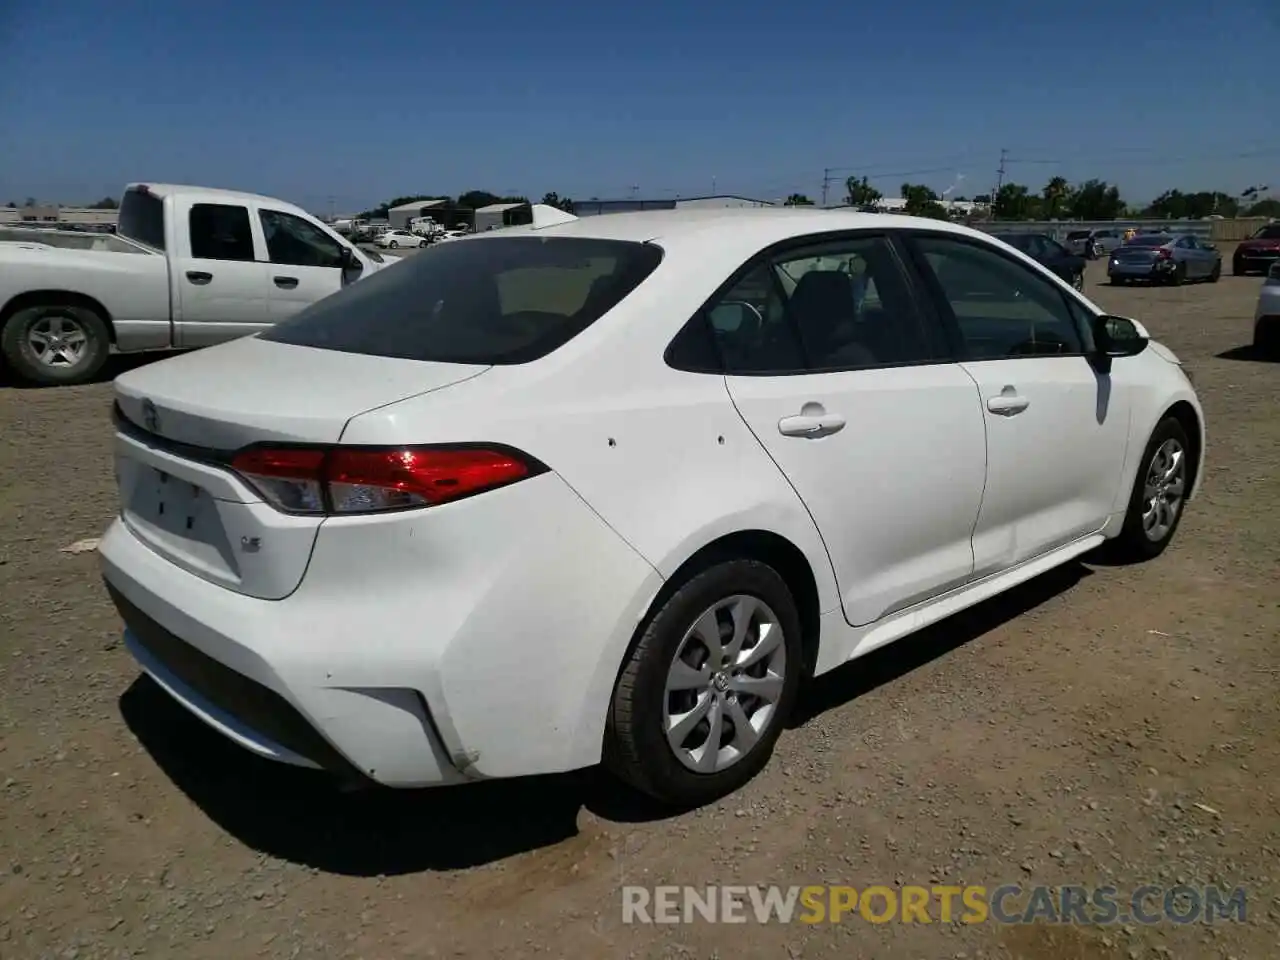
column 477, row 639
column 1161, row 268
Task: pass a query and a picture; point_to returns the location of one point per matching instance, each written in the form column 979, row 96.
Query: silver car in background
column 1266, row 316
column 1094, row 243
column 1165, row 258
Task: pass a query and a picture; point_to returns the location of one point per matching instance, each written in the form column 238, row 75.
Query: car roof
column 214, row 195
column 760, row 226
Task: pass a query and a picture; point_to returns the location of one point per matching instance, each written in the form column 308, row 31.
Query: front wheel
column 421, row 244
column 393, row 244
column 54, row 343
column 704, row 694
column 1179, row 276
column 1159, row 493
column 1216, row 273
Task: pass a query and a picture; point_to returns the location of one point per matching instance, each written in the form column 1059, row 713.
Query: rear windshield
column 142, row 218
column 1077, row 234
column 1148, row 240
column 1269, row 232
column 494, row 300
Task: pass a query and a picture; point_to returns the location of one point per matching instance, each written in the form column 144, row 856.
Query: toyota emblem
column 150, row 416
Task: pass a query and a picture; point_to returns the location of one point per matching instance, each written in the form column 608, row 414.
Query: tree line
column 1061, row 200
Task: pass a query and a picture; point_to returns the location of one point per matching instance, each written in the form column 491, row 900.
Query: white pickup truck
column 197, row 266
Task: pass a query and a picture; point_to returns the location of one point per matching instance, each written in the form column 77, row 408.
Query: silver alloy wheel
column 724, row 684
column 1162, row 494
column 58, row 340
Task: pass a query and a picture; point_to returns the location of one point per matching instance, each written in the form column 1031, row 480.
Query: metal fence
column 1200, row 229
column 1220, row 231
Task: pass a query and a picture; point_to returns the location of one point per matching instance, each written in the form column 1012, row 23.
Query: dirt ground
column 1100, row 725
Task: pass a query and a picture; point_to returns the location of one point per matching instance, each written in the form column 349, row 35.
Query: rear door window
column 141, row 218
column 221, row 231
column 494, row 300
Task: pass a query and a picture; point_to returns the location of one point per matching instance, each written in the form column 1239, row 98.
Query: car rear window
column 1148, row 240
column 1271, row 232
column 1078, row 234
column 141, row 218
column 499, row 300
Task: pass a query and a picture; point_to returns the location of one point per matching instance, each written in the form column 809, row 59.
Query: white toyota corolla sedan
column 613, row 489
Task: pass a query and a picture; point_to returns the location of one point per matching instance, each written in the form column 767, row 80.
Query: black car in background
column 1048, row 251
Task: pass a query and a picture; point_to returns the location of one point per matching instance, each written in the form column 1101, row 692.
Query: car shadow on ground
column 1250, row 353
column 304, row 817
column 116, row 364
column 887, row 664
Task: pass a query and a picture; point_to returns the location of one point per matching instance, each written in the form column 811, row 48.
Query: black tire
column 1117, row 281
column 421, row 244
column 1133, row 544
column 394, row 245
column 1179, row 275
column 1078, row 281
column 1216, row 273
column 21, row 357
column 636, row 748
column 1237, row 270
column 1266, row 337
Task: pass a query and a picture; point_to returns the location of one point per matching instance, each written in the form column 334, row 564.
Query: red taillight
column 1163, row 253
column 344, row 480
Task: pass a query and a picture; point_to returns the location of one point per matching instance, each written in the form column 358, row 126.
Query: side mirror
column 350, row 265
column 1116, row 337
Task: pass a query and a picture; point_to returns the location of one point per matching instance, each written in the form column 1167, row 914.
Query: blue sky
column 351, row 103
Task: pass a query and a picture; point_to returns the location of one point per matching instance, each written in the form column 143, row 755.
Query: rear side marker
column 359, row 480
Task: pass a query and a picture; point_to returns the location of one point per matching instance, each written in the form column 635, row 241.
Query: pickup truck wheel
column 53, row 343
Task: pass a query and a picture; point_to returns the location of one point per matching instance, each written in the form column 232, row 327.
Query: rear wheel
column 1159, row 492
column 704, row 694
column 1237, row 269
column 1266, row 336
column 54, row 343
column 1078, row 280
column 1179, row 275
column 393, row 244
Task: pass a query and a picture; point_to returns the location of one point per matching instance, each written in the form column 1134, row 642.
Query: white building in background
column 589, row 208
column 895, row 204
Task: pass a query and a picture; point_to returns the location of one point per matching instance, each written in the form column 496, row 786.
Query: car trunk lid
column 180, row 421
column 1141, row 254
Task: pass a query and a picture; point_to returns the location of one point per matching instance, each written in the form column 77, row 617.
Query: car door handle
column 1007, row 404
column 287, row 282
column 805, row 425
column 199, row 277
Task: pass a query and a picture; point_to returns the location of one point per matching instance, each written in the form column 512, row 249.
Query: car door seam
column 986, row 463
column 812, row 519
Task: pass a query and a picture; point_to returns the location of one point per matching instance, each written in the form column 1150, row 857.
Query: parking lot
column 1100, row 725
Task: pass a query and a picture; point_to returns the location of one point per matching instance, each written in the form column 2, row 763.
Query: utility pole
column 826, row 182
column 999, row 181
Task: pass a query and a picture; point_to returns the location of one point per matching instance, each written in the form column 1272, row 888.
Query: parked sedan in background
column 610, row 489
column 1094, row 243
column 1266, row 318
column 401, row 238
column 1048, row 251
column 1259, row 252
column 1165, row 258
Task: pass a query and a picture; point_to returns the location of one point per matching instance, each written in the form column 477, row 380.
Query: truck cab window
column 293, row 241
column 221, row 232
